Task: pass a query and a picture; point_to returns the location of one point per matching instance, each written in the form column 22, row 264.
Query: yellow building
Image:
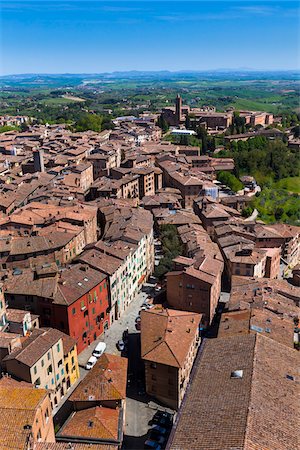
column 70, row 362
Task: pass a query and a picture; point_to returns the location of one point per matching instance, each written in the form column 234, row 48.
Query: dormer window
column 236, row 374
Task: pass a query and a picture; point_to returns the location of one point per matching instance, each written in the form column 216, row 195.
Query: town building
column 21, row 321
column 98, row 405
column 74, row 300
column 195, row 285
column 239, row 398
column 40, row 361
column 26, row 415
column 169, row 344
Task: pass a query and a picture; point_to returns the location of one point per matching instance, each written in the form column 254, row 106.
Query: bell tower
column 178, row 109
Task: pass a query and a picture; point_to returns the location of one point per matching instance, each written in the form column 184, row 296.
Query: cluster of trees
column 6, row 128
column 290, row 119
column 230, row 180
column 208, row 143
column 162, row 123
column 238, row 124
column 171, row 248
column 277, row 205
column 22, row 127
column 266, row 160
column 88, row 121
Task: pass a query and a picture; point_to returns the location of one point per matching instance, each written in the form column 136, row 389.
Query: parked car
column 152, row 445
column 159, row 430
column 121, row 345
column 162, row 418
column 99, row 349
column 157, row 438
column 125, row 336
column 91, row 362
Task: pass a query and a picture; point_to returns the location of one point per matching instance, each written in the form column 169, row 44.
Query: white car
column 91, row 362
column 99, row 349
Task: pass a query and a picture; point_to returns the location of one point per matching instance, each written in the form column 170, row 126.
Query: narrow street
column 115, row 332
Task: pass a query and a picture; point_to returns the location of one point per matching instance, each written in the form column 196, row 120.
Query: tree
column 89, row 122
column 24, row 126
column 187, row 122
column 230, row 180
column 204, row 146
column 296, row 131
column 184, row 140
column 162, row 123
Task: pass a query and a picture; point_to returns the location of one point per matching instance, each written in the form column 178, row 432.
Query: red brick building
column 74, row 300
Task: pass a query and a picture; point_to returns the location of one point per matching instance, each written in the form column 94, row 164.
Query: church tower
column 178, row 109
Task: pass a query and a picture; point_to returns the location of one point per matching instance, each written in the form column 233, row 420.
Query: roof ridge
column 251, row 389
column 173, row 353
column 102, row 424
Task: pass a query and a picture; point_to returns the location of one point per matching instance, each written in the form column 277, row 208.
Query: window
column 73, row 311
column 62, row 371
column 153, row 365
column 104, row 285
column 47, row 415
column 93, row 310
column 57, row 377
column 236, row 374
column 39, row 435
column 58, row 347
column 52, row 380
column 42, row 363
column 49, row 370
column 72, row 360
column 37, row 382
column 35, row 370
column 60, row 362
column 48, row 356
column 46, row 387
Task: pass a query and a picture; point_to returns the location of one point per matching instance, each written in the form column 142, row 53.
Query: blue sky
column 59, row 36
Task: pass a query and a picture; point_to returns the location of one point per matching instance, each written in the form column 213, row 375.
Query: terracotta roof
column 71, row 446
column 106, row 381
column 99, row 422
column 166, row 335
column 35, row 346
column 257, row 321
column 18, row 405
column 242, row 396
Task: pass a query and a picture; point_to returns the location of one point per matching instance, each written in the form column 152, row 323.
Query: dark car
column 163, row 419
column 152, row 445
column 121, row 345
column 157, row 438
column 138, row 323
column 156, row 429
